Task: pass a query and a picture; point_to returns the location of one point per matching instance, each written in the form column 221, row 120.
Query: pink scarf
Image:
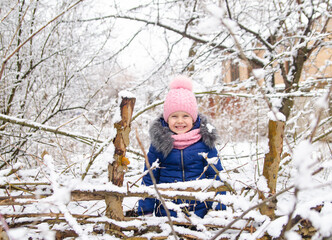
column 184, row 140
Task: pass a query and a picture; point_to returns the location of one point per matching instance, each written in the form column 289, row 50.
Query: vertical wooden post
column 116, row 170
column 272, row 162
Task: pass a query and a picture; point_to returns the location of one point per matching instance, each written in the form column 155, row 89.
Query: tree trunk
column 116, row 170
column 277, row 128
column 271, row 163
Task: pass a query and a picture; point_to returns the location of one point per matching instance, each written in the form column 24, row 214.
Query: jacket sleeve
column 211, row 173
column 146, row 206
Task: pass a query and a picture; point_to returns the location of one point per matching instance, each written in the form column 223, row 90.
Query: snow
column 259, row 73
column 276, row 226
column 236, row 203
column 45, row 231
column 303, row 161
column 262, row 185
column 126, row 94
column 274, row 113
column 213, row 160
column 198, row 184
column 108, row 155
column 208, row 25
column 276, row 116
column 210, row 127
column 18, row 233
column 325, row 224
column 212, row 23
column 291, row 235
column 117, row 114
column 150, row 58
column 216, row 11
column 322, row 102
column 61, row 198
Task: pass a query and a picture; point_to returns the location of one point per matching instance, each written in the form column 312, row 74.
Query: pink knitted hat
column 180, row 98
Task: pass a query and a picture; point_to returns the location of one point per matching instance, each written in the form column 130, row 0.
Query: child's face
column 180, row 122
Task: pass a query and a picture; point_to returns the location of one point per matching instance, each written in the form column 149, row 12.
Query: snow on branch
column 192, row 190
column 56, row 130
column 60, row 197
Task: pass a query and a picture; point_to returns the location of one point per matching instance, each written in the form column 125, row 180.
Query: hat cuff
column 167, row 113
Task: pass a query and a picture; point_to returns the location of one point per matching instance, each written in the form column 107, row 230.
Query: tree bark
column 117, row 168
column 271, row 164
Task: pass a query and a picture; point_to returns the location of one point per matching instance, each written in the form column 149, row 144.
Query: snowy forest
column 82, row 81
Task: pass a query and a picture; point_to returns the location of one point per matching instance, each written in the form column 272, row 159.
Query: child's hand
column 131, row 213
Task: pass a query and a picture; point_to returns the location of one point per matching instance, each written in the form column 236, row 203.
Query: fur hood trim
column 161, row 136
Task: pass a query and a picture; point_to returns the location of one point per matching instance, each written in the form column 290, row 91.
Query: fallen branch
column 87, row 195
column 130, row 224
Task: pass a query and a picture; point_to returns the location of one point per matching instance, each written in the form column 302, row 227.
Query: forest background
column 261, row 71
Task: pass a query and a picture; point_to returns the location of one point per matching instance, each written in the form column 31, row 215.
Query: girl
column 177, row 140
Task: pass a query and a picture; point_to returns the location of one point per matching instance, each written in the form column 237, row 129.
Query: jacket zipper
column 183, row 175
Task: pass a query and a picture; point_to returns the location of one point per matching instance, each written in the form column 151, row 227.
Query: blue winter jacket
column 179, row 165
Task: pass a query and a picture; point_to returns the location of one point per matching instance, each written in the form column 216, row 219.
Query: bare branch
column 34, row 34
column 249, row 210
column 27, row 123
column 155, row 186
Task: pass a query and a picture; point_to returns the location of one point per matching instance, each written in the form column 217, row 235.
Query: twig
column 69, row 121
column 9, row 12
column 13, row 171
column 4, row 224
column 320, row 111
column 141, row 177
column 98, row 152
column 61, row 205
column 218, row 174
column 34, row 34
column 290, row 215
column 4, row 126
column 249, row 210
column 146, row 109
column 24, row 184
column 271, row 198
column 130, row 223
column 155, row 186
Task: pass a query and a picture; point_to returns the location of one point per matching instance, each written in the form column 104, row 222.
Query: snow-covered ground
column 243, row 164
